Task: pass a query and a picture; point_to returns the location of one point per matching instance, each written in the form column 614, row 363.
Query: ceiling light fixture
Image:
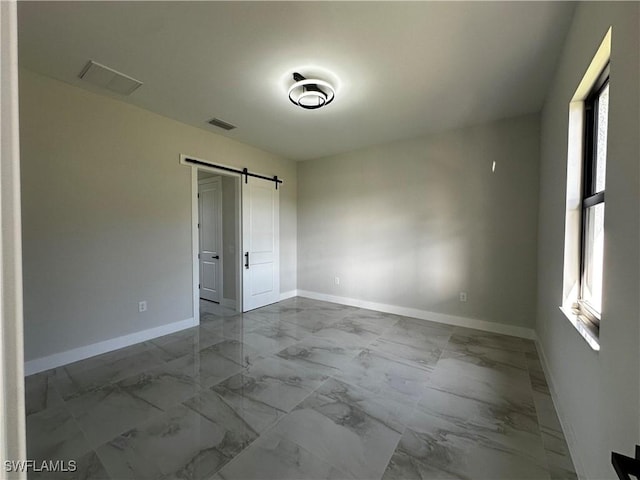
column 310, row 93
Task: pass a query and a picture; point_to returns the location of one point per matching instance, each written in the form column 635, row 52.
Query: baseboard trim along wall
column 569, row 434
column 485, row 325
column 64, row 358
column 289, row 294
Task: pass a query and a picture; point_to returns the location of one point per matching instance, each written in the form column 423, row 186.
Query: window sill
column 584, row 328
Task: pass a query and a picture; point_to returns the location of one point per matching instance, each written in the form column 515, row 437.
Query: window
column 596, row 109
column 582, row 279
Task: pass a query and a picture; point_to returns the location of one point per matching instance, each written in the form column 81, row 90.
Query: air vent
column 216, row 122
column 109, row 78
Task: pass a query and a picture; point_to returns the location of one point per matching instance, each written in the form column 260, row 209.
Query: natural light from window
column 583, row 273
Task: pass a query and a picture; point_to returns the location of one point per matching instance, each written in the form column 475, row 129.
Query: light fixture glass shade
column 311, row 93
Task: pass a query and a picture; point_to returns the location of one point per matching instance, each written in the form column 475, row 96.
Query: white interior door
column 210, row 235
column 260, row 243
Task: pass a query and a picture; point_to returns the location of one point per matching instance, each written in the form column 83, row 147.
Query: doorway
column 247, row 270
column 217, row 242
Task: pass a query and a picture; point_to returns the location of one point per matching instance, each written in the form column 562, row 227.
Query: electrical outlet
column 463, row 296
column 142, row 306
column 337, row 280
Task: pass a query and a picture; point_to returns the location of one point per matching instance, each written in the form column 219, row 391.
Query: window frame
column 589, row 196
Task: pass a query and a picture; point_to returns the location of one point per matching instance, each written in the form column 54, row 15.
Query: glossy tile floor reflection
column 303, row 389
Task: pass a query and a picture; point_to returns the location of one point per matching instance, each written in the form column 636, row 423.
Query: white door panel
column 210, row 238
column 208, row 223
column 260, row 222
column 261, row 279
column 209, row 277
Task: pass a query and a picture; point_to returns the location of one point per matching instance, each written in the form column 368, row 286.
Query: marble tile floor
column 302, row 389
column 207, row 306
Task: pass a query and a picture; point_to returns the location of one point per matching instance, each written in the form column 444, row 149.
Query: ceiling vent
column 109, row 78
column 216, row 122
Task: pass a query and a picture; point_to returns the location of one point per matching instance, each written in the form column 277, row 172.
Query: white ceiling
column 402, row 69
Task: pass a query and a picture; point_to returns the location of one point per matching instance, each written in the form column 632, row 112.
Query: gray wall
column 414, row 223
column 597, row 393
column 107, row 214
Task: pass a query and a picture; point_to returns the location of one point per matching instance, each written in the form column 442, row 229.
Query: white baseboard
column 569, row 434
column 289, row 294
column 485, row 325
column 64, row 358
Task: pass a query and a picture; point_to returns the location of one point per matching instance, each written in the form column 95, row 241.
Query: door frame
column 221, row 253
column 195, row 236
column 12, row 422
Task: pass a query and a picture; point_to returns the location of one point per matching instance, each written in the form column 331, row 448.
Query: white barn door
column 260, row 243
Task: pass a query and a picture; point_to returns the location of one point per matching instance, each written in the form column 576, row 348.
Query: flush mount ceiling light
column 310, row 93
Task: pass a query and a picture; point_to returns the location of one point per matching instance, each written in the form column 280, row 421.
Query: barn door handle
column 246, row 260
